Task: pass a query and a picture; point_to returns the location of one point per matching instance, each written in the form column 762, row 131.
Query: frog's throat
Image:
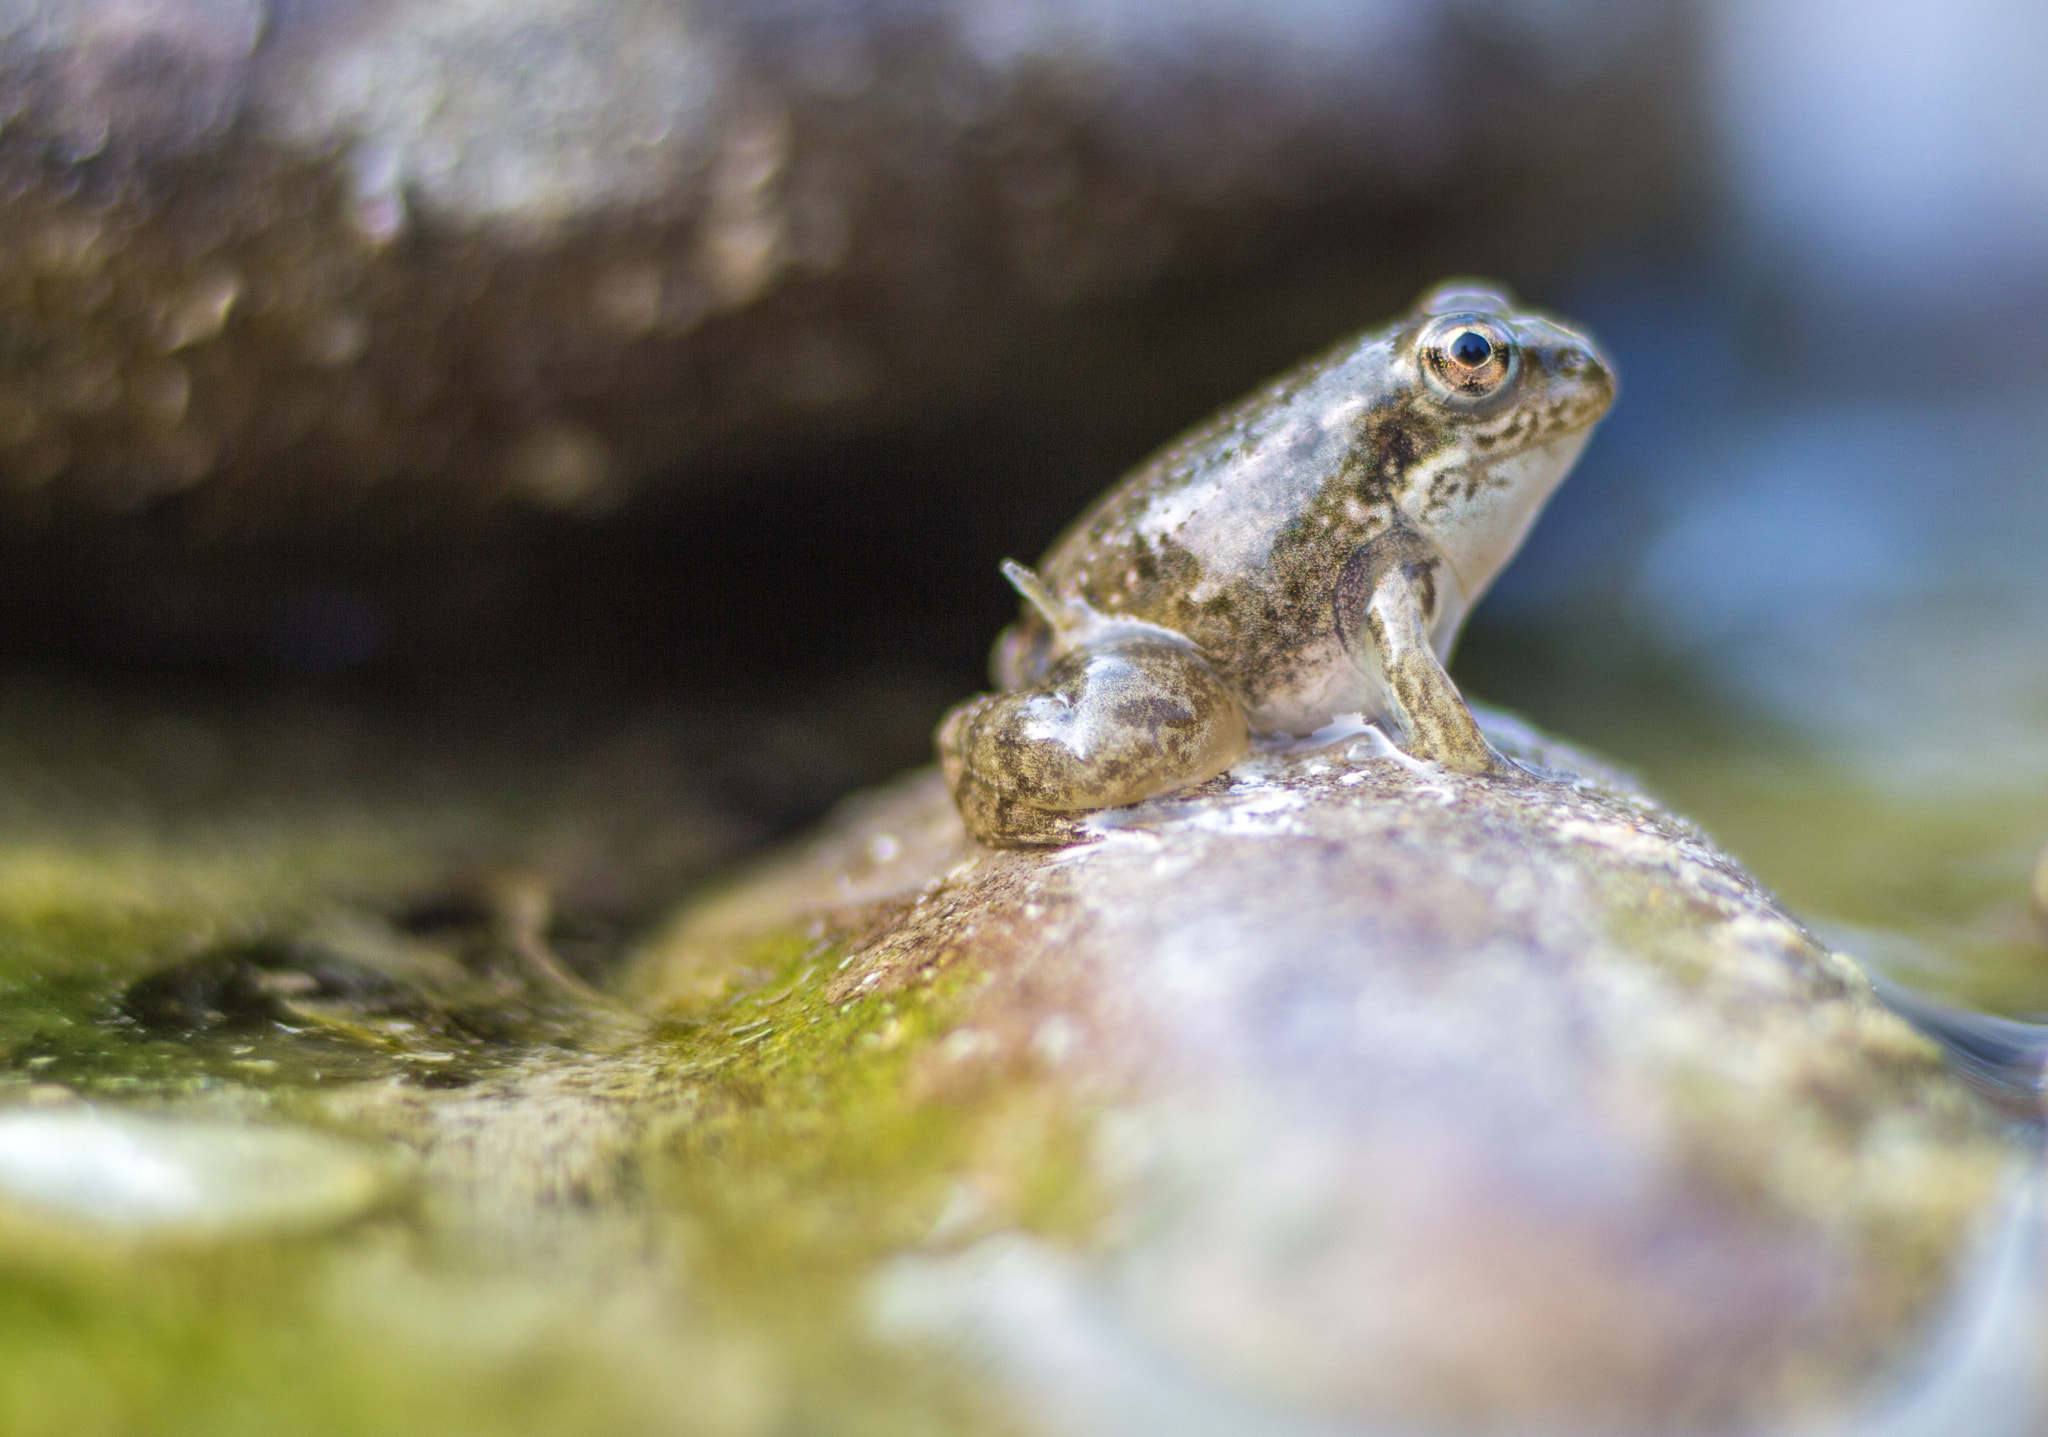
column 1078, row 624
column 1481, row 537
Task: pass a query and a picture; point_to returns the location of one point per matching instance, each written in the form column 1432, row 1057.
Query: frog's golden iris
column 1468, row 359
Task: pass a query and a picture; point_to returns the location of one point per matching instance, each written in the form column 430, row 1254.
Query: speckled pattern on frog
column 1307, row 554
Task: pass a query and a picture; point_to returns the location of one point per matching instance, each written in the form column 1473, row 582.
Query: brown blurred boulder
column 386, row 264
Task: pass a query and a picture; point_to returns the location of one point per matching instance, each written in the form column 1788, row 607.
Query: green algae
column 294, row 1339
column 1922, row 877
column 301, row 950
column 780, row 1139
column 811, row 1155
column 1926, row 888
column 829, row 1133
column 810, row 1149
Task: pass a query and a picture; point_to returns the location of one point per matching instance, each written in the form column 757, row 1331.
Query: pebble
column 170, row 1176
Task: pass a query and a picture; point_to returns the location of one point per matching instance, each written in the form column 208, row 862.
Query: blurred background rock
column 571, row 358
column 717, row 335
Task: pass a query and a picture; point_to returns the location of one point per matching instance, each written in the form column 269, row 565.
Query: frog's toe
column 1500, row 767
column 1003, row 821
column 951, row 735
column 1113, row 725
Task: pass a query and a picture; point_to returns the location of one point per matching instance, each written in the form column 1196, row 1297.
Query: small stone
column 150, row 1176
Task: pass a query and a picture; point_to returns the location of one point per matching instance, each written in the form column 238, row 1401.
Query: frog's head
column 1506, row 399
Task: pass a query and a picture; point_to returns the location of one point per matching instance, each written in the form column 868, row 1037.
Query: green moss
column 793, row 1138
column 176, row 1344
column 333, row 1338
column 828, row 1133
column 809, row 1150
column 1932, row 869
column 713, row 1285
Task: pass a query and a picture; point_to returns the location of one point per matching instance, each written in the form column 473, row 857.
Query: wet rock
column 1412, row 1100
column 380, row 265
column 252, row 986
column 164, row 1176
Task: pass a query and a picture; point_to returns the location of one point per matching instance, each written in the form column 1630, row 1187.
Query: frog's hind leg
column 1385, row 601
column 1109, row 726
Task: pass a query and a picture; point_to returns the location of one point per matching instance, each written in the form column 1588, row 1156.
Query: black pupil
column 1471, row 349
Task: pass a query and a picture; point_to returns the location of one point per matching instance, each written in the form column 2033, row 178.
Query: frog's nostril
column 1577, row 364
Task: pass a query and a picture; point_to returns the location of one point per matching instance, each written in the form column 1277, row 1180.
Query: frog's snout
column 1574, row 369
column 1587, row 372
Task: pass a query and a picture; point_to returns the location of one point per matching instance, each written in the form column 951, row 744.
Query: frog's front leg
column 1113, row 724
column 1386, row 598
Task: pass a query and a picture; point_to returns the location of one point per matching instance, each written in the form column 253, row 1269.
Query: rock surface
column 1410, row 1099
column 380, row 263
column 1149, row 1186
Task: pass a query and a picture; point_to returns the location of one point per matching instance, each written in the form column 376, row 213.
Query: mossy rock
column 1396, row 1097
column 1343, row 1090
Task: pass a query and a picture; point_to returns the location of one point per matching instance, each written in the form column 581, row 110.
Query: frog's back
column 1129, row 515
column 1234, row 534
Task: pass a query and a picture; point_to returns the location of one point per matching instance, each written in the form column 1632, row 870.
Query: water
column 1810, row 605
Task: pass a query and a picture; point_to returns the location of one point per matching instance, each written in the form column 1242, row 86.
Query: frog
column 1305, row 557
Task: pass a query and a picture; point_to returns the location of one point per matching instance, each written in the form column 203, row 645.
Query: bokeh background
column 584, row 431
column 473, row 472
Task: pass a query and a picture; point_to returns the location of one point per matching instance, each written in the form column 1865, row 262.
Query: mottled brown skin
column 1307, row 554
column 1095, row 734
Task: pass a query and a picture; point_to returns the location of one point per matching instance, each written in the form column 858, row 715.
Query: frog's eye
column 1467, row 358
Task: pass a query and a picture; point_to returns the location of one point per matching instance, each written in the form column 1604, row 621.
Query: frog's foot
column 1111, row 725
column 1465, row 753
column 1385, row 601
column 1437, row 725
